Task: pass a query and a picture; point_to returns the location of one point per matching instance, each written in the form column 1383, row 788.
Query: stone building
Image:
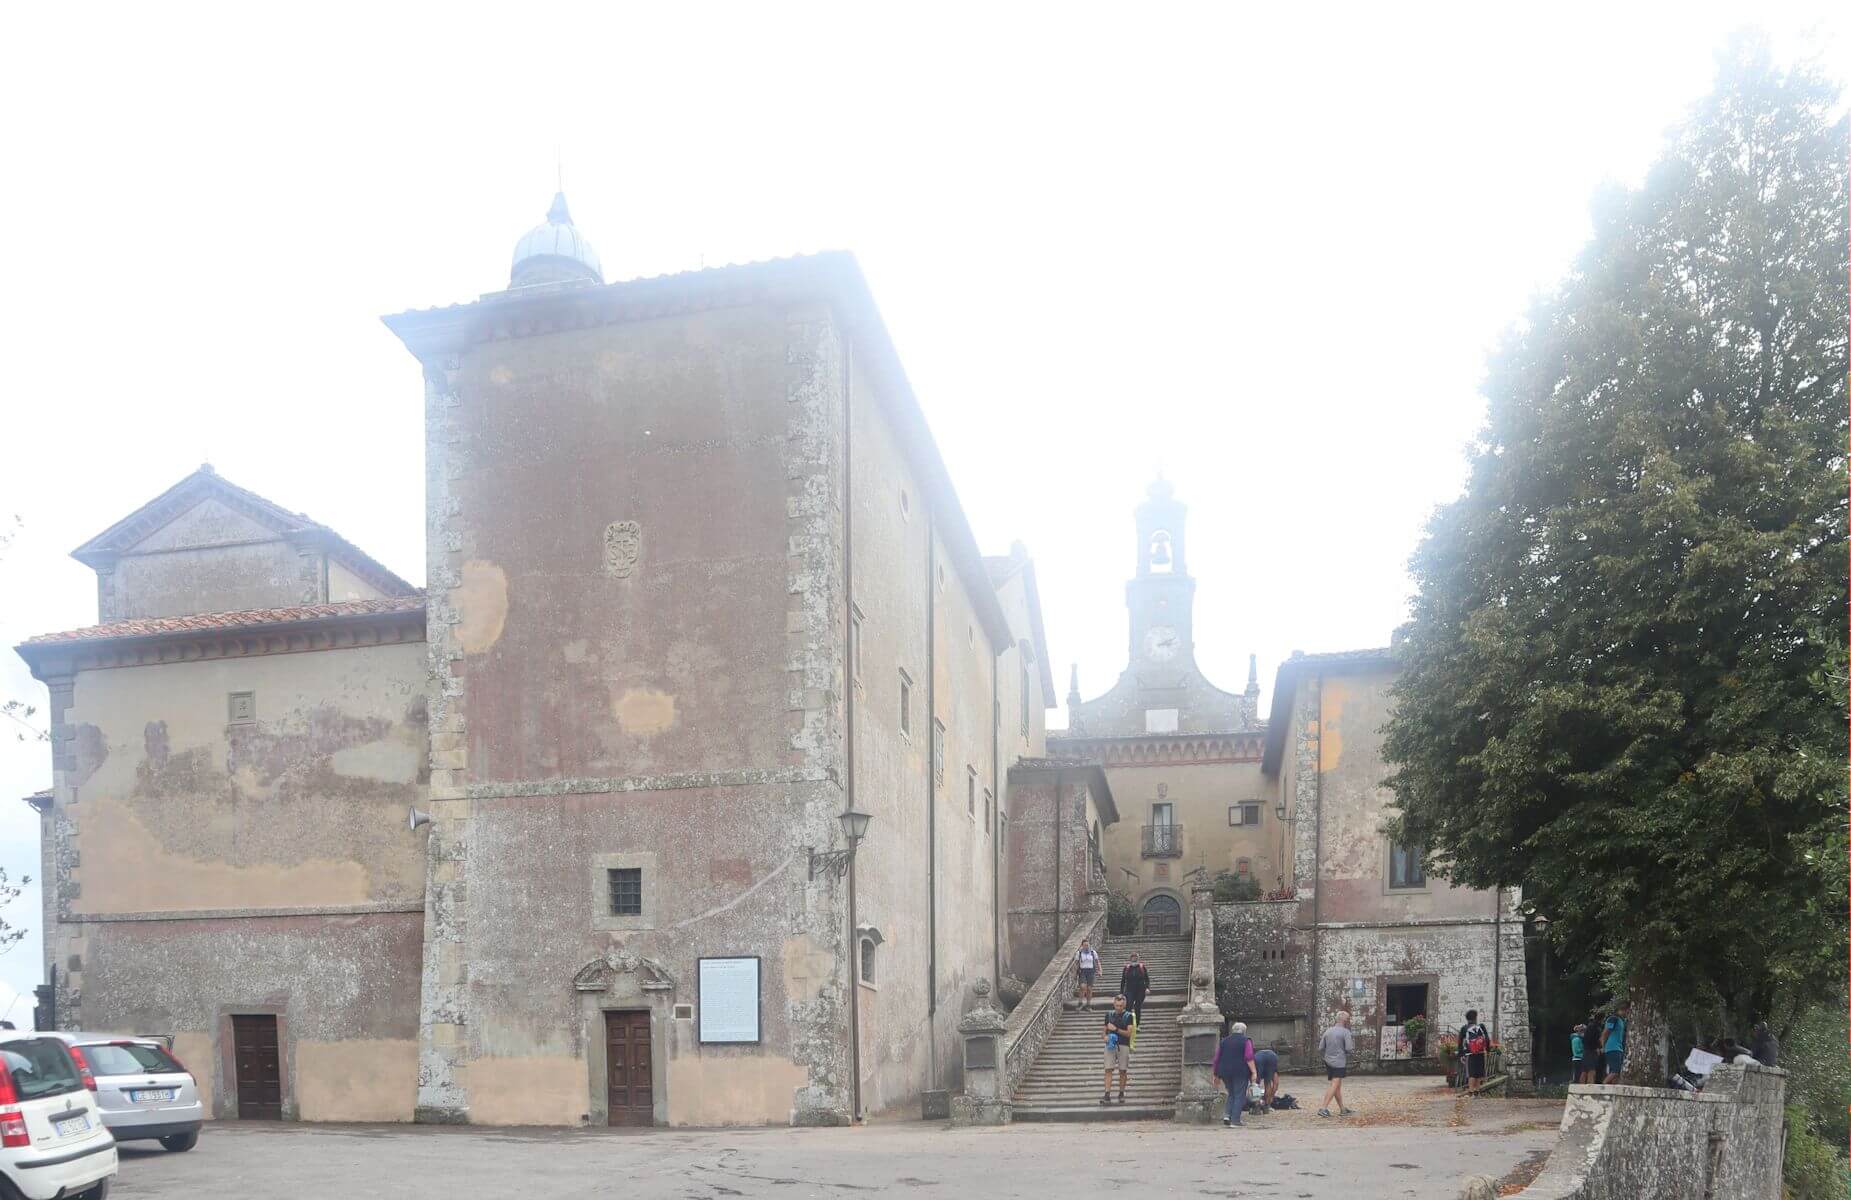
column 563, row 840
column 1295, row 802
column 562, row 843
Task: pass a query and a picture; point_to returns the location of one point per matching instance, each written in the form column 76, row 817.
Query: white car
column 141, row 1087
column 53, row 1143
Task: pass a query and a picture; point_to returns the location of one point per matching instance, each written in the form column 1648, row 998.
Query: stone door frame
column 624, row 983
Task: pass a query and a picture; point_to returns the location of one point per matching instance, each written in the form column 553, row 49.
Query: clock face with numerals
column 1162, row 643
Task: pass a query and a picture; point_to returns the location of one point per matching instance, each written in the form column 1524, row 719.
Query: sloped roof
column 255, row 618
column 1285, row 689
column 1093, row 773
column 205, row 483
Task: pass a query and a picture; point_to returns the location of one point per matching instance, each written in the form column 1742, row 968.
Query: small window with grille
column 626, row 891
column 243, row 707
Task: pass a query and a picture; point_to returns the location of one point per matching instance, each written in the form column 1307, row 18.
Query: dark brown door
column 259, row 1068
column 627, row 1068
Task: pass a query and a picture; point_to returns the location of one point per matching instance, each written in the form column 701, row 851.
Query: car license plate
column 149, row 1095
column 70, row 1125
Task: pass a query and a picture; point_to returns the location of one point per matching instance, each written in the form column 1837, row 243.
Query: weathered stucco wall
column 1263, row 973
column 637, row 649
column 1201, row 794
column 180, row 809
column 200, row 867
column 926, row 874
column 344, row 990
column 1048, row 875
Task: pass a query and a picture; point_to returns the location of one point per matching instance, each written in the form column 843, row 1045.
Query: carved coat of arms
column 623, row 541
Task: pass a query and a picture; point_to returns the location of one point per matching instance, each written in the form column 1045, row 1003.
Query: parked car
column 142, row 1089
column 53, row 1141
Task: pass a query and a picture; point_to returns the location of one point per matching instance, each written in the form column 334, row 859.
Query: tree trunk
column 1644, row 1065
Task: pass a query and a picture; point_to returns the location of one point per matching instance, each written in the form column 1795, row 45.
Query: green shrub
column 1819, row 1072
column 1231, row 888
column 1121, row 915
column 1813, row 1170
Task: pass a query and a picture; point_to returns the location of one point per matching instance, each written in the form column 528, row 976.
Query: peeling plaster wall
column 199, row 868
column 637, row 650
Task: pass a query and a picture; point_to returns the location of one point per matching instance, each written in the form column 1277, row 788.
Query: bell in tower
column 1160, row 552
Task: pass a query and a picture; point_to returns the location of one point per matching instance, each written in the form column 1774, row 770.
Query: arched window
column 1162, row 915
column 867, row 961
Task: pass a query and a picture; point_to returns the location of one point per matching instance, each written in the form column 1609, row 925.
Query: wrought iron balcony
column 1163, row 841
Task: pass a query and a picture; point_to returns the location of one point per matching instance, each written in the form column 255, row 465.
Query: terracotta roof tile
column 248, row 619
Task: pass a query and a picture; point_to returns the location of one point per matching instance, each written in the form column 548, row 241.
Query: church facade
column 704, row 782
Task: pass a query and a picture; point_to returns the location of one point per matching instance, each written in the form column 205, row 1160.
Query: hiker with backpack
column 1475, row 1049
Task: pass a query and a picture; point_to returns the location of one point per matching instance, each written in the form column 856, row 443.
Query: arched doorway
column 1162, row 916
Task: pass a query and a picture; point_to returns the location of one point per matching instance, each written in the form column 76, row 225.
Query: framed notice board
column 730, row 1000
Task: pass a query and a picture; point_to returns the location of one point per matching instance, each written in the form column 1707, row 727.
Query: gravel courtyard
column 1409, row 1138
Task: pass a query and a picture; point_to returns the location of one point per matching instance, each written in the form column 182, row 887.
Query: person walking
column 1591, row 1035
column 1613, row 1042
column 1337, row 1044
column 1235, row 1071
column 1117, row 1049
column 1475, row 1048
column 1266, row 1070
column 1577, row 1054
column 1088, row 967
column 1134, row 981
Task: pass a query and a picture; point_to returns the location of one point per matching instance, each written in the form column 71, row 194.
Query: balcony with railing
column 1163, row 841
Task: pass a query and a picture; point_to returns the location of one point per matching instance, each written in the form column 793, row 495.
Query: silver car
column 141, row 1088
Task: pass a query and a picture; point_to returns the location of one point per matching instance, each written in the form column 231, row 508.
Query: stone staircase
column 1065, row 1080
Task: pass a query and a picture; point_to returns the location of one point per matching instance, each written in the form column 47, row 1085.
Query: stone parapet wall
column 1634, row 1143
column 1035, row 1018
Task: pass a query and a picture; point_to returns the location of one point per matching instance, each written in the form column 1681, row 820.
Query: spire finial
column 1073, row 686
column 1253, row 672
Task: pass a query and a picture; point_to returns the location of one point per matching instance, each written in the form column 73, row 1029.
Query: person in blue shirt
column 1613, row 1042
column 1577, row 1052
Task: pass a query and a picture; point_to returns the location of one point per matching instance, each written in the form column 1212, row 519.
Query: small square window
column 1247, row 813
column 626, row 891
column 243, row 707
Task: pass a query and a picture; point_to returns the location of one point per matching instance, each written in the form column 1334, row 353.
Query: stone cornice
column 1162, row 749
column 50, row 659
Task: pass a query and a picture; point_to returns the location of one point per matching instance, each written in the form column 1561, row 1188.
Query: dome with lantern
column 555, row 252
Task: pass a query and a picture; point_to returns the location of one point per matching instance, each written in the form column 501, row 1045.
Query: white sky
column 1264, row 251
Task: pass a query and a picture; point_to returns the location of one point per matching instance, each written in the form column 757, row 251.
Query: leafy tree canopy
column 1623, row 686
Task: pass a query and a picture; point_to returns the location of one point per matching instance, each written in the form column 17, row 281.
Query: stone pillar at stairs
column 985, row 1100
column 1199, row 1100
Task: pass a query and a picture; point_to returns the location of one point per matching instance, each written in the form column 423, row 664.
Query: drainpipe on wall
column 1497, row 954
column 934, row 748
column 993, row 817
column 848, row 698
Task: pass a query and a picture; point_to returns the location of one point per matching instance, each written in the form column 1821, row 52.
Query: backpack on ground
column 1285, row 1100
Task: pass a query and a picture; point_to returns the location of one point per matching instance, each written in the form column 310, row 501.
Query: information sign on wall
column 729, row 1000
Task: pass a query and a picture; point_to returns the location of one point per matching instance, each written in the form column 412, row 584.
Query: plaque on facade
column 623, row 542
column 1199, row 1050
column 980, row 1054
column 729, row 1000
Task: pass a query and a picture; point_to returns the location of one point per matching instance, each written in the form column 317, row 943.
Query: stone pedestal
column 985, row 1100
column 1199, row 1102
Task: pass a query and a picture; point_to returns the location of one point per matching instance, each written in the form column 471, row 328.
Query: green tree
column 1622, row 685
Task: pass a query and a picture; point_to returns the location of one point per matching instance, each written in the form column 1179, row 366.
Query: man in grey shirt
column 1337, row 1044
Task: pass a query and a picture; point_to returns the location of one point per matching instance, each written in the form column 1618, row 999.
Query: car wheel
column 181, row 1142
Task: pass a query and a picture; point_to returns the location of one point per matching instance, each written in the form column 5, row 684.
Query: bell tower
column 1161, row 596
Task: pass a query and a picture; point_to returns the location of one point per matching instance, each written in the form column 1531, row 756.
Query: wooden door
column 259, row 1068
column 629, row 1082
